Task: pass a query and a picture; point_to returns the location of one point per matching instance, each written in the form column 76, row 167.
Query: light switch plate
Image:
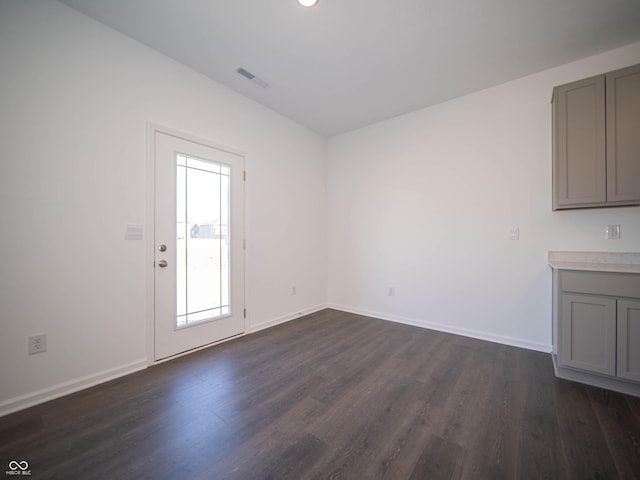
column 133, row 231
column 612, row 232
column 514, row 233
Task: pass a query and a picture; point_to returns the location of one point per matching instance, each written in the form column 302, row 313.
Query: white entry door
column 199, row 253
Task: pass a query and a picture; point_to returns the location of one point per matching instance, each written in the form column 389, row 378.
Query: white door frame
column 152, row 129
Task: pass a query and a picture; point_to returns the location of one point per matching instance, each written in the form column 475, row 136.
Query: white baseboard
column 465, row 332
column 284, row 318
column 40, row 396
column 28, row 400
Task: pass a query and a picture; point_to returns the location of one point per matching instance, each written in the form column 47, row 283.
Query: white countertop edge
column 623, row 262
column 595, row 267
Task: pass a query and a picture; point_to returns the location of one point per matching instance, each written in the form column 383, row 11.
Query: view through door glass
column 202, row 242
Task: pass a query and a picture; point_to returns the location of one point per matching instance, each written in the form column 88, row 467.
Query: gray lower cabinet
column 589, row 333
column 596, row 141
column 598, row 326
column 629, row 340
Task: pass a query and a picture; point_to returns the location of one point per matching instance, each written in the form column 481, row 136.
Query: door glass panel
column 202, row 225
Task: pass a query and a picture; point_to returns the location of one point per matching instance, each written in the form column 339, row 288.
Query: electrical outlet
column 294, row 290
column 392, row 291
column 514, row 233
column 37, row 343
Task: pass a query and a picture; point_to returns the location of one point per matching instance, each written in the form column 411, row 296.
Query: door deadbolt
column 162, row 248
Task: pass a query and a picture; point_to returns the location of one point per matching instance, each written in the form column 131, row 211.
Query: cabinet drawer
column 601, row 283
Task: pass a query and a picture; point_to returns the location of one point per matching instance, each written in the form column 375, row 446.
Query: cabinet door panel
column 580, row 166
column 629, row 339
column 623, row 134
column 588, row 329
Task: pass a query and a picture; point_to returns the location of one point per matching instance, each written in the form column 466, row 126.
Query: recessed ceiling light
column 307, row 3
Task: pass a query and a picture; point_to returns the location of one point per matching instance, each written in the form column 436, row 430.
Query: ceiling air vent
column 250, row 76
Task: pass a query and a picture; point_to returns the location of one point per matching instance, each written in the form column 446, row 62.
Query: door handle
column 162, row 263
column 162, row 248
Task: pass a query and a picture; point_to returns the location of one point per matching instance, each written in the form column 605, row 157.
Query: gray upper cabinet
column 623, row 135
column 580, row 145
column 596, row 141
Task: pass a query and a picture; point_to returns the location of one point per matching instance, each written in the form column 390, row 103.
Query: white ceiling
column 344, row 64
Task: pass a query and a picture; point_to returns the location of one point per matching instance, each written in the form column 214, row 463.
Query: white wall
column 75, row 99
column 424, row 203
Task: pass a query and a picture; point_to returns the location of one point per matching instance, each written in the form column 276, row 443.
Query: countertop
column 622, row 262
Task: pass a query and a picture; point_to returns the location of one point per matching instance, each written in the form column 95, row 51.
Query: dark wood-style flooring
column 335, row 396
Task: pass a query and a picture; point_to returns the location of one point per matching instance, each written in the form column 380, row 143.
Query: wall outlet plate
column 37, row 343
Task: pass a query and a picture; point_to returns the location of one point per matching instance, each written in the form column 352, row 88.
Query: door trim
column 152, row 129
